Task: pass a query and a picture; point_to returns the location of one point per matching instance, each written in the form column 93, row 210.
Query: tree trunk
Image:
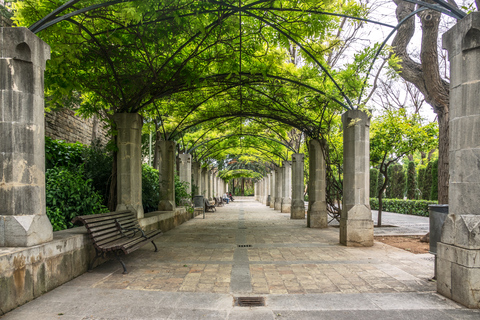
column 426, row 77
column 380, row 194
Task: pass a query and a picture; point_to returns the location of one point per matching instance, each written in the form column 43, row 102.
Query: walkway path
column 248, row 249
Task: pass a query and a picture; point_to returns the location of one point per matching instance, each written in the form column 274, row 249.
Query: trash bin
column 199, row 202
column 437, row 214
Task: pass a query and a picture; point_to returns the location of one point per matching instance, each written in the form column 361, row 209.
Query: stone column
column 197, row 179
column 287, row 187
column 277, row 205
column 356, row 224
column 185, row 173
column 210, row 186
column 214, row 184
column 458, row 252
column 204, row 182
column 272, row 189
column 317, row 216
column 129, row 162
column 298, row 186
column 278, row 188
column 167, row 163
column 23, row 219
column 268, row 196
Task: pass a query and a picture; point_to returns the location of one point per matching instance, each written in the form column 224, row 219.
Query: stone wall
column 65, row 125
column 27, row 273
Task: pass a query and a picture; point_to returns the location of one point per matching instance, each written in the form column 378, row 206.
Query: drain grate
column 244, row 245
column 250, row 301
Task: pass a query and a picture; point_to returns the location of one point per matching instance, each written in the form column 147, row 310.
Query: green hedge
column 414, row 207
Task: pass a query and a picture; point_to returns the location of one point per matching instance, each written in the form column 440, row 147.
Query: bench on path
column 209, row 206
column 218, row 202
column 116, row 233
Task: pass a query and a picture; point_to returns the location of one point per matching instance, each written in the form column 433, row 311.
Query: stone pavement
column 248, row 249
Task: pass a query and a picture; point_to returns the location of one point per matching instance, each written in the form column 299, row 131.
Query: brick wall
column 65, row 125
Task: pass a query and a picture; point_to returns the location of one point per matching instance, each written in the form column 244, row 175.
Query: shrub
column 181, row 191
column 414, row 207
column 397, row 182
column 411, row 180
column 69, row 195
column 427, row 182
column 62, row 154
column 98, row 167
column 421, row 182
column 150, row 188
column 389, row 190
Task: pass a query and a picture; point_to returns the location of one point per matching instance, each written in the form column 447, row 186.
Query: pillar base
column 25, row 231
column 277, row 205
column 286, row 206
column 267, row 203
column 297, row 209
column 272, row 202
column 458, row 263
column 356, row 233
column 317, row 215
column 166, row 205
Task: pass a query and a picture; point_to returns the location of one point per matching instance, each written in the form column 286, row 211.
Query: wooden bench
column 116, row 233
column 209, row 206
column 218, row 202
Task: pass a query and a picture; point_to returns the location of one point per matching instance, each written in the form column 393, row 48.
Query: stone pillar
column 167, row 163
column 298, row 201
column 317, row 216
column 214, row 184
column 204, row 182
column 278, row 188
column 458, row 252
column 23, row 219
column 287, row 187
column 210, row 186
column 185, row 173
column 129, row 162
column 268, row 196
column 197, row 179
column 356, row 224
column 272, row 189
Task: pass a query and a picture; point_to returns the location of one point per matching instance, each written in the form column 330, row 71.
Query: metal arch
column 383, row 45
column 241, row 135
column 110, row 62
column 456, row 15
column 307, row 52
column 230, row 147
column 283, row 79
column 50, row 22
column 53, row 14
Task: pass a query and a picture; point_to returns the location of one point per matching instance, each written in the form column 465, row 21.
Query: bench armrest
column 134, row 229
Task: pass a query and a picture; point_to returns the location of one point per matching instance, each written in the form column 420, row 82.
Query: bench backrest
column 103, row 228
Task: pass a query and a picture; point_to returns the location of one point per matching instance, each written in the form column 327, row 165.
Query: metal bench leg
column 156, row 250
column 123, row 264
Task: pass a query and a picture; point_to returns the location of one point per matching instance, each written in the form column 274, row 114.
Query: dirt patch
column 409, row 243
